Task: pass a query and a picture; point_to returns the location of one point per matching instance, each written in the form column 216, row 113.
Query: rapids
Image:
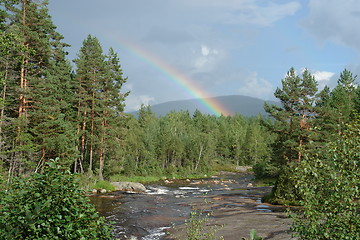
column 148, row 216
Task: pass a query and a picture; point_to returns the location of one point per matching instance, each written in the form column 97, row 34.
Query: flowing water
column 148, row 215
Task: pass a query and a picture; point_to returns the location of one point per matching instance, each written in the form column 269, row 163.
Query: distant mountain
column 244, row 105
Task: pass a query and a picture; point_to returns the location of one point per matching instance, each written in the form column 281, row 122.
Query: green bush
column 86, row 181
column 196, row 227
column 265, row 169
column 330, row 184
column 49, row 205
column 253, row 235
column 104, row 185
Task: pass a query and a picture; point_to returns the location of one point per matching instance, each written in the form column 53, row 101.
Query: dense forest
column 51, row 108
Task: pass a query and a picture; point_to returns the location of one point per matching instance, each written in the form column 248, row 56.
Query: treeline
column 179, row 142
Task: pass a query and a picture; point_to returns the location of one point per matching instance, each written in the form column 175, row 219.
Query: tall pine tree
column 35, row 73
column 294, row 122
column 100, row 102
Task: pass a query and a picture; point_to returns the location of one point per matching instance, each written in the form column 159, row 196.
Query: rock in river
column 129, row 186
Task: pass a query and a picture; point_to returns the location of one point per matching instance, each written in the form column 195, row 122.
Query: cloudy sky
column 224, row 47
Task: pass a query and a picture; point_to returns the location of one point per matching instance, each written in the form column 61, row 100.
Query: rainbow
column 179, row 78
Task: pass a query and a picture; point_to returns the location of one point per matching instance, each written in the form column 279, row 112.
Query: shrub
column 49, row 205
column 330, row 184
column 196, row 227
column 104, row 185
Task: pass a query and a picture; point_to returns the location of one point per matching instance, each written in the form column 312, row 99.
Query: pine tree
column 37, row 59
column 53, row 115
column 100, row 102
column 91, row 72
column 342, row 99
column 294, row 124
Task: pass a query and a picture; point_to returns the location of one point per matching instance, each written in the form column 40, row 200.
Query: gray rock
column 243, row 168
column 129, row 186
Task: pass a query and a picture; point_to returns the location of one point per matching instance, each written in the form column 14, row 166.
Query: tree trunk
column 82, row 147
column 101, row 163
column 199, row 157
column 25, row 61
column 92, row 121
column 102, row 149
column 3, row 106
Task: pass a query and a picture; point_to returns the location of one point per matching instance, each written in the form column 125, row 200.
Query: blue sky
column 226, row 46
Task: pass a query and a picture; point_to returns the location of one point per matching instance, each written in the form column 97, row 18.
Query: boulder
column 243, row 168
column 250, row 185
column 129, row 186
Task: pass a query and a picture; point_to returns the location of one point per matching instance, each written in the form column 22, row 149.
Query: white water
column 156, row 233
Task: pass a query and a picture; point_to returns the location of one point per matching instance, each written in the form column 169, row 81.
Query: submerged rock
column 129, row 186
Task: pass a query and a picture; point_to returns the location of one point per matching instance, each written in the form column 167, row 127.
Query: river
column 230, row 197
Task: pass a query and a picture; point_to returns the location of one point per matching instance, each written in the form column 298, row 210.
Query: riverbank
column 91, row 184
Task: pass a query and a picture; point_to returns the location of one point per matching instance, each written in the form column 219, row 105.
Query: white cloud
column 255, row 86
column 205, row 50
column 133, row 103
column 323, row 78
column 207, row 59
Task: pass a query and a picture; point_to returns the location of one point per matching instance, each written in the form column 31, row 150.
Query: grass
column 104, row 185
column 140, row 179
column 89, row 182
column 150, row 179
column 225, row 168
column 159, row 177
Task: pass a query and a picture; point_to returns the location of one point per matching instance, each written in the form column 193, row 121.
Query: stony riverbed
column 233, row 200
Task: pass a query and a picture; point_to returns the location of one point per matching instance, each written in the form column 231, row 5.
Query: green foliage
column 265, row 169
column 141, row 179
column 253, row 235
column 330, row 184
column 180, row 145
column 49, row 205
column 86, row 181
column 101, row 184
column 294, row 129
column 196, row 227
column 100, row 104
